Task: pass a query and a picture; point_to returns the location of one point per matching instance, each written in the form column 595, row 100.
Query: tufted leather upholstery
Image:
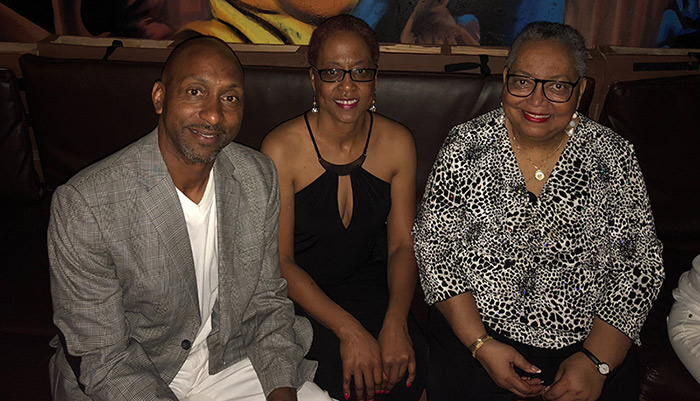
column 660, row 117
column 19, row 182
column 25, row 304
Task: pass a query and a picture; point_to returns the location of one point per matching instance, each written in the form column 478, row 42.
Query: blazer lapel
column 162, row 205
column 227, row 206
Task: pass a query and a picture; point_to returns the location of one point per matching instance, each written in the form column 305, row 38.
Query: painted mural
column 667, row 23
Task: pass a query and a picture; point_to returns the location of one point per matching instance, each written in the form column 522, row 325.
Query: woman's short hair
column 338, row 23
column 542, row 30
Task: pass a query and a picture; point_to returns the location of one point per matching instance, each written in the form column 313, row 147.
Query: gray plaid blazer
column 124, row 288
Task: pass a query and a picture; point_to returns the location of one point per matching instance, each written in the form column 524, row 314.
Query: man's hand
column 397, row 354
column 499, row 361
column 576, row 379
column 283, row 394
column 362, row 361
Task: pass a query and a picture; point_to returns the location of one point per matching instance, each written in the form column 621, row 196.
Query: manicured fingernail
column 538, row 370
column 346, row 395
column 409, row 384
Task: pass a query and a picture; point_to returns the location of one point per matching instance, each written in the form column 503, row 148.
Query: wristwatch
column 603, row 368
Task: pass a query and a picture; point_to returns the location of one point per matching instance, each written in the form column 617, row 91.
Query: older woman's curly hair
column 552, row 31
column 340, row 23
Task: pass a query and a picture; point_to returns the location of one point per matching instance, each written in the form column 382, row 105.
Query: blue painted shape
column 371, row 11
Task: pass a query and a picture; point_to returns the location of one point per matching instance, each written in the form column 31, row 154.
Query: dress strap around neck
column 340, row 169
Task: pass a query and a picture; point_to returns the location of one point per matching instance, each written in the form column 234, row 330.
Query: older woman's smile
column 536, row 118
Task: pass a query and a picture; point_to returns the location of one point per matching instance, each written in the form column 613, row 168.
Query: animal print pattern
column 540, row 270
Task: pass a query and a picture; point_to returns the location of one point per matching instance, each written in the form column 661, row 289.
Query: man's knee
column 312, row 392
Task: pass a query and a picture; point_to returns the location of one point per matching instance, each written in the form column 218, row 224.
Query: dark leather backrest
column 661, row 117
column 18, row 179
column 84, row 110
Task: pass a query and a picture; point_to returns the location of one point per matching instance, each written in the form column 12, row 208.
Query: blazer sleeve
column 276, row 339
column 87, row 301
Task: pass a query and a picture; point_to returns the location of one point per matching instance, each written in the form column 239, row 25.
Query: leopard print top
column 541, row 269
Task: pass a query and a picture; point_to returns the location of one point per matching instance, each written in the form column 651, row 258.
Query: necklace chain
column 539, row 174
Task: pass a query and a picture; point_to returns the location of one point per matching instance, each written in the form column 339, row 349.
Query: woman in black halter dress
column 347, row 187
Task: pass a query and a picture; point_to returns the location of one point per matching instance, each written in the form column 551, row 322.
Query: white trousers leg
column 684, row 333
column 239, row 382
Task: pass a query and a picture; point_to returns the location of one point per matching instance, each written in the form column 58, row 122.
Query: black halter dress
column 348, row 263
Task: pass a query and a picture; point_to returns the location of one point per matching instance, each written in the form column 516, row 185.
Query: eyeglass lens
column 356, row 74
column 555, row 91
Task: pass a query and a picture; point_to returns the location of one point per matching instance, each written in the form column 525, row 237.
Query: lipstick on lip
column 346, row 103
column 536, row 118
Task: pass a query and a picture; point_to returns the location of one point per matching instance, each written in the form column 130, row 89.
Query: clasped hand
column 575, row 380
column 500, row 359
column 376, row 366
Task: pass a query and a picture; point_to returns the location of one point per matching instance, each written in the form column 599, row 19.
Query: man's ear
column 157, row 95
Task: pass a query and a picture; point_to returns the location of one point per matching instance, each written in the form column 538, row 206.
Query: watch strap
column 602, row 367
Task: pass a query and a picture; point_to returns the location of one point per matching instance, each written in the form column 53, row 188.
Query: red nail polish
column 408, row 384
column 346, row 395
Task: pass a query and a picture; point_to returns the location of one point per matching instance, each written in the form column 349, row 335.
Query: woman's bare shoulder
column 285, row 139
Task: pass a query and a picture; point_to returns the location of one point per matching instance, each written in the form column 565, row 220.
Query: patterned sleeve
column 436, row 233
column 635, row 262
column 88, row 306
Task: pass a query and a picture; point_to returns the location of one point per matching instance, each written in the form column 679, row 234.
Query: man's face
column 200, row 100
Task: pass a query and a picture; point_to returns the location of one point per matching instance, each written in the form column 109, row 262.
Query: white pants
column 238, row 382
column 684, row 333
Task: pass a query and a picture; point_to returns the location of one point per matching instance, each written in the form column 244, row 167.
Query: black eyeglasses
column 338, row 74
column 553, row 90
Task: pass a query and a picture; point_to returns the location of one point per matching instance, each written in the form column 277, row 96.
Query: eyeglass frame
column 543, row 82
column 346, row 72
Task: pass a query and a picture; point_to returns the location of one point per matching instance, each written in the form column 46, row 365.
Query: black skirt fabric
column 454, row 375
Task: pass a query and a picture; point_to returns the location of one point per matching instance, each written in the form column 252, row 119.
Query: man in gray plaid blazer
column 164, row 262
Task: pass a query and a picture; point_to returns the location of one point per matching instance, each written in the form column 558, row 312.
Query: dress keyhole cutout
column 345, row 200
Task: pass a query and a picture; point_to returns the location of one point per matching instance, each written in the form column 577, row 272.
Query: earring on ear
column 314, row 105
column 572, row 124
column 373, row 107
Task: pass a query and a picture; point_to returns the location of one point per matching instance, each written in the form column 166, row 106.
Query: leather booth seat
column 25, row 300
column 661, row 117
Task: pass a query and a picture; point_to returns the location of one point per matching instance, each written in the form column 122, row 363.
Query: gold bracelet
column 478, row 344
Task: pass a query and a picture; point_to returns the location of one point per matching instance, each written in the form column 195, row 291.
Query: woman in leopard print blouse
column 535, row 241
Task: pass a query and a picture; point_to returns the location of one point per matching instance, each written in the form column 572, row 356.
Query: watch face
column 603, row 368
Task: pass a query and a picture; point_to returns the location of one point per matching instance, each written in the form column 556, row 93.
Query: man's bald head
column 184, row 50
column 200, row 99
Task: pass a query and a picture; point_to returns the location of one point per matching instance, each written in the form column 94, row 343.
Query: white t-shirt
column 202, row 228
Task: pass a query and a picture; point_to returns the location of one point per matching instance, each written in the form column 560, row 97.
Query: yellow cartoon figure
column 268, row 21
